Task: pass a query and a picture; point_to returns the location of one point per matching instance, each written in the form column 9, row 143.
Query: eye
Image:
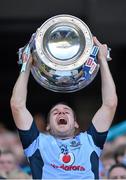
column 67, row 112
column 55, row 113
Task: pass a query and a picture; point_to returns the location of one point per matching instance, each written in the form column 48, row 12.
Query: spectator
column 40, row 121
column 117, row 171
column 107, row 160
column 8, row 164
column 120, row 154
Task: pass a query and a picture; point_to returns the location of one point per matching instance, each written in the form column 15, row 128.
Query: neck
column 64, row 136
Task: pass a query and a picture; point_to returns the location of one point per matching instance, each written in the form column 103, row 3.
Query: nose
column 61, row 112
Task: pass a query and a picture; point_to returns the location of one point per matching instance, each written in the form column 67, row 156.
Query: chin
column 62, row 131
column 64, row 134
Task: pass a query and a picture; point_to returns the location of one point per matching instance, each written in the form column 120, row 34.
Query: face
column 62, row 122
column 107, row 163
column 118, row 173
column 7, row 162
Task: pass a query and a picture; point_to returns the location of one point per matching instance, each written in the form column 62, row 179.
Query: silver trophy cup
column 64, row 54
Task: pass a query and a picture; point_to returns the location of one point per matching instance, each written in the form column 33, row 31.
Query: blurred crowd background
column 18, row 20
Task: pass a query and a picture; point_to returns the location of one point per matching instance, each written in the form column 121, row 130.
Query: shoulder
column 93, row 136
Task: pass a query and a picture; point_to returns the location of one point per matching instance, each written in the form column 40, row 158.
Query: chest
column 68, row 152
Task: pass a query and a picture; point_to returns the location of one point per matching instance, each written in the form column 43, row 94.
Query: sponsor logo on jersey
column 69, row 168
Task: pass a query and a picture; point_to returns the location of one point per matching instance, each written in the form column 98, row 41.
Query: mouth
column 62, row 121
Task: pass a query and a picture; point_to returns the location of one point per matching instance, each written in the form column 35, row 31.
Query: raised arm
column 104, row 116
column 22, row 117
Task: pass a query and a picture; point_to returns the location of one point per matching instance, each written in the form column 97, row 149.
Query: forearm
column 104, row 116
column 22, row 117
column 109, row 97
column 20, row 89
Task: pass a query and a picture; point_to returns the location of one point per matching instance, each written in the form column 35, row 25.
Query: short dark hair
column 116, row 166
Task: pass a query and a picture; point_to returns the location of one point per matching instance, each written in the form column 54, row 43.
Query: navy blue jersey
column 53, row 158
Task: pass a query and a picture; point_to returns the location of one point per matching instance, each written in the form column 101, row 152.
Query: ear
column 48, row 127
column 76, row 124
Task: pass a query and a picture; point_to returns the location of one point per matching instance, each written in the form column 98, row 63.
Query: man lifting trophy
column 64, row 54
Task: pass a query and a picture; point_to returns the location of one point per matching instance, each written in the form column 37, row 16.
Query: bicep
column 102, row 120
column 23, row 119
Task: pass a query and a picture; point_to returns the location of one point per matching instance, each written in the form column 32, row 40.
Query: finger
column 96, row 42
column 105, row 45
column 31, row 60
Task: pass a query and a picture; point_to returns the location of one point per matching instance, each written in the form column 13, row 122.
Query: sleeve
column 99, row 138
column 28, row 136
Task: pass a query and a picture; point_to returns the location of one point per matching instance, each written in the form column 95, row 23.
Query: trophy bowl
column 64, row 54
